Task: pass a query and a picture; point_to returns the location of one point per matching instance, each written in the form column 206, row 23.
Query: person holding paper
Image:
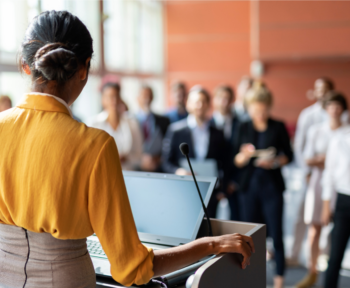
column 261, row 180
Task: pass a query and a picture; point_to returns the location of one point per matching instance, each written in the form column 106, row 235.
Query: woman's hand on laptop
column 236, row 243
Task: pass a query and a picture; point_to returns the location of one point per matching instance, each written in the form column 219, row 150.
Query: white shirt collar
column 192, row 123
column 57, row 98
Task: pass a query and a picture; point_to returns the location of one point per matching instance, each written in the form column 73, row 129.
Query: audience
column 261, row 180
column 311, row 115
column 227, row 121
column 249, row 148
column 153, row 127
column 124, row 129
column 204, row 140
column 336, row 180
column 5, row 103
column 179, row 96
column 317, row 142
column 239, row 107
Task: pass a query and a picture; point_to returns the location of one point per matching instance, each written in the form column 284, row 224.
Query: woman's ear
column 26, row 68
column 85, row 70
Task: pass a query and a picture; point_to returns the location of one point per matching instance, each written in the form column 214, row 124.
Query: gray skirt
column 51, row 263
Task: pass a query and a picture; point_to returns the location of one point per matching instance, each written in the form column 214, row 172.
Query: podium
column 225, row 270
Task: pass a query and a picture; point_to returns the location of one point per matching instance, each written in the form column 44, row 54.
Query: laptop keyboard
column 95, row 249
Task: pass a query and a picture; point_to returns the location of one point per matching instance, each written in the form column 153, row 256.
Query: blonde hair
column 259, row 93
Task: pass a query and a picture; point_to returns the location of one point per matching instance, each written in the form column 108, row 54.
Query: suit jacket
column 153, row 145
column 161, row 122
column 276, row 136
column 178, row 133
column 232, row 173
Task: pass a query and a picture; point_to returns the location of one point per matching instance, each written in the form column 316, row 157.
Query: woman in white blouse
column 121, row 126
column 318, row 138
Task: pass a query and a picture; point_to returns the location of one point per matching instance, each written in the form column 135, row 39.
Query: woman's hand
column 182, row 172
column 172, row 259
column 317, row 161
column 265, row 163
column 246, row 152
column 273, row 163
column 236, row 243
column 326, row 213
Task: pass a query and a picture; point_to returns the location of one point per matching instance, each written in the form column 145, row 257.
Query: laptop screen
column 167, row 205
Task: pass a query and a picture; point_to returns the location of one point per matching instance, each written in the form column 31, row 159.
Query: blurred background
column 288, row 44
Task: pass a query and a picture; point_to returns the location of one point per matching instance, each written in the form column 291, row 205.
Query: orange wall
column 209, row 42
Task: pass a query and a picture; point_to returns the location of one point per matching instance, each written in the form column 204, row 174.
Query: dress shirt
column 147, row 123
column 309, row 116
column 336, row 176
column 224, row 123
column 61, row 177
column 127, row 136
column 200, row 137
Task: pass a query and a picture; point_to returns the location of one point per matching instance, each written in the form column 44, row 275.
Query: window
column 133, row 36
column 133, row 47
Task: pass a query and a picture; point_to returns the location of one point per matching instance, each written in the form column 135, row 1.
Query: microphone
column 185, row 150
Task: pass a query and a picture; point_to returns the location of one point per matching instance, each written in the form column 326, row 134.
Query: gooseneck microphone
column 185, row 150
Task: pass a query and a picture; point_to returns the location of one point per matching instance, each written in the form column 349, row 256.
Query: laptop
column 166, row 209
column 206, row 167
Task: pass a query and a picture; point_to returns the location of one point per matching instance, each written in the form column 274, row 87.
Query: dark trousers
column 234, row 206
column 263, row 203
column 340, row 237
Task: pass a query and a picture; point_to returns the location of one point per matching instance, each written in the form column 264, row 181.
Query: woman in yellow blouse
column 61, row 181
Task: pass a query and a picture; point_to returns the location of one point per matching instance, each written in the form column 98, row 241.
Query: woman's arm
column 168, row 260
column 317, row 161
column 311, row 159
column 245, row 154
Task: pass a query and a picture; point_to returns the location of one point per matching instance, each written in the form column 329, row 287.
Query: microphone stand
column 200, row 195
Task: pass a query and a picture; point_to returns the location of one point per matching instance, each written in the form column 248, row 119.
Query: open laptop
column 166, row 208
column 206, row 167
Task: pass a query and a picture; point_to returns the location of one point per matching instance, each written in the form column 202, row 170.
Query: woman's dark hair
column 55, row 44
column 113, row 85
column 335, row 97
column 227, row 89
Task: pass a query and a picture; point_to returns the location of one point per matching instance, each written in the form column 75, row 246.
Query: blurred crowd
column 232, row 135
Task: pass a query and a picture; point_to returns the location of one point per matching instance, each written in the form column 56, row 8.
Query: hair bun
column 55, row 62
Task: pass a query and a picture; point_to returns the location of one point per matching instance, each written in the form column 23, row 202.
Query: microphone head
column 184, row 149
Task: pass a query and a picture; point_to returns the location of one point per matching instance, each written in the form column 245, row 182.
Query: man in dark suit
column 205, row 141
column 154, row 128
column 179, row 95
column 227, row 121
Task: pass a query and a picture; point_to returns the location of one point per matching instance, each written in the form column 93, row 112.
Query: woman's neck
column 334, row 123
column 51, row 88
column 113, row 120
column 260, row 126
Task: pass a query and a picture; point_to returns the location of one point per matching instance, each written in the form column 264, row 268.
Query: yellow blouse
column 61, row 177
